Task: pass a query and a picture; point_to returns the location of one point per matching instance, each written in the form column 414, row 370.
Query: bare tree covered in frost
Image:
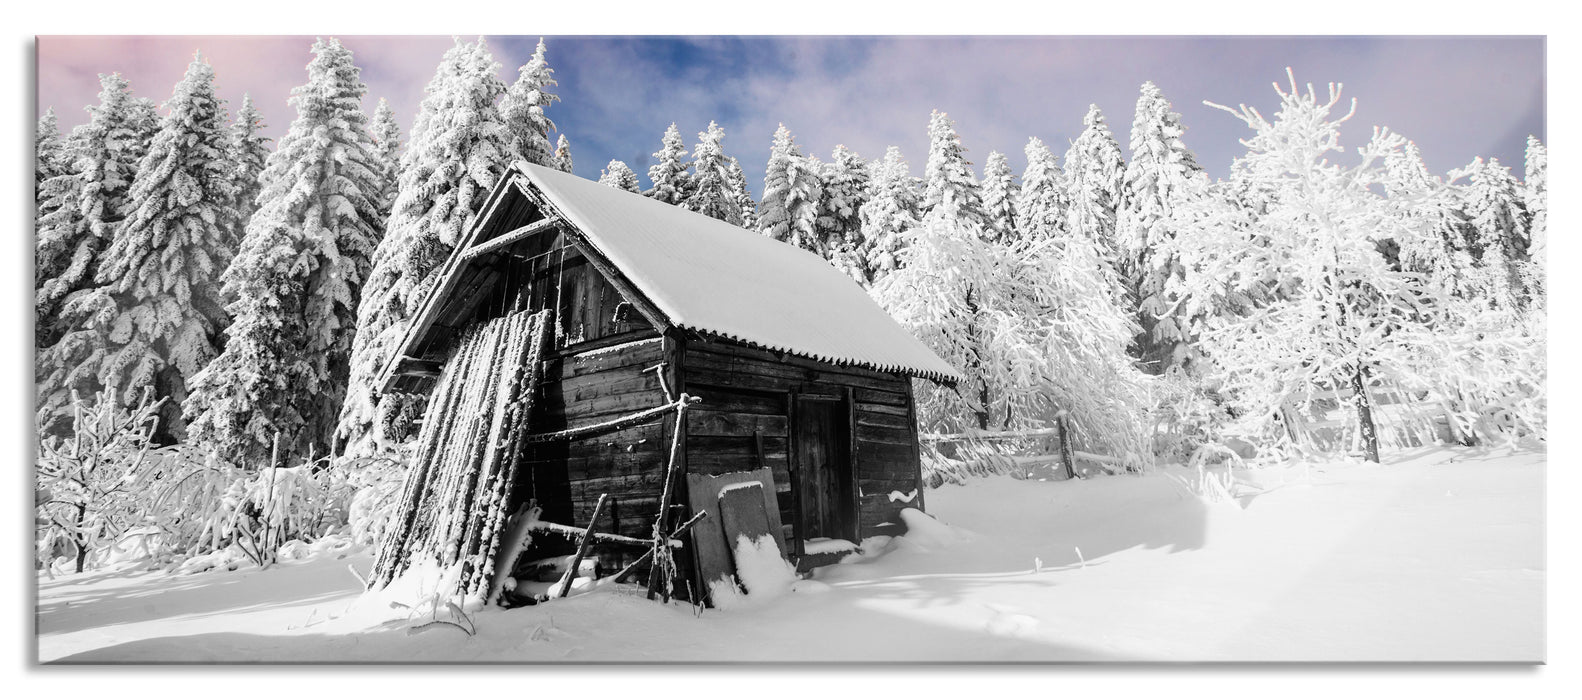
column 892, row 210
column 620, row 176
column 79, row 213
column 296, row 280
column 156, row 317
column 843, row 190
column 736, row 180
column 710, row 192
column 523, row 107
column 1338, row 324
column 249, row 151
column 1499, row 231
column 999, row 197
column 947, row 177
column 788, row 210
column 457, row 152
column 669, row 172
column 1157, row 179
column 1078, row 330
column 1030, row 328
column 562, row 160
column 1093, row 177
column 386, row 134
column 1007, row 317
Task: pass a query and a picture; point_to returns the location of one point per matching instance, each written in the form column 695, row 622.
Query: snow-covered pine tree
column 1156, row 179
column 52, row 161
column 620, row 176
column 1535, row 197
column 1338, row 325
column 1438, row 248
column 81, row 211
column 1041, row 202
column 1093, row 176
column 999, row 197
column 295, row 281
column 736, row 180
column 562, row 160
column 523, row 107
column 1499, row 233
column 788, row 210
column 843, row 191
column 457, row 152
column 710, row 193
column 891, row 211
column 249, row 151
column 386, row 134
column 153, row 322
column 49, row 153
column 669, row 172
column 947, row 177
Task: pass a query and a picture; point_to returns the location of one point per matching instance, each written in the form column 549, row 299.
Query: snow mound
column 922, row 530
column 762, row 571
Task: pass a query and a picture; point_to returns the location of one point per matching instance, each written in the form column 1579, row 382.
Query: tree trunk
column 82, row 542
column 1359, row 398
column 1067, row 452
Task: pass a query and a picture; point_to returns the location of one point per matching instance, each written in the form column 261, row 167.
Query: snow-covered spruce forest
column 212, row 308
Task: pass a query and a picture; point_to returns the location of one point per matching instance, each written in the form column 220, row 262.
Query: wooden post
column 1359, row 398
column 582, row 547
column 1067, row 455
column 660, row 569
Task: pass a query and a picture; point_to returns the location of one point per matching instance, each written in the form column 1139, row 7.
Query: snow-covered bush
column 1183, row 415
column 108, row 496
column 375, row 484
column 95, row 477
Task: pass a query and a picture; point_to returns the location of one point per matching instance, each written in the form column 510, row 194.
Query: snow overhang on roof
column 712, row 278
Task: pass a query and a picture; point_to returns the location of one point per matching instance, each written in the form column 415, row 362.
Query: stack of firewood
column 453, row 504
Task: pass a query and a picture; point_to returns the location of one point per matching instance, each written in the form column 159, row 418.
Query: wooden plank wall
column 744, row 390
column 568, row 477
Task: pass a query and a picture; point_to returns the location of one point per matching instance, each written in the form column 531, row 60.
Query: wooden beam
column 405, row 365
column 512, row 237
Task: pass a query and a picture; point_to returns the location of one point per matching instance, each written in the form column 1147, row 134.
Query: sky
column 1457, row 97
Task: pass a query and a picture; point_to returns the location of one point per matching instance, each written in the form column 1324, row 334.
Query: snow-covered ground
column 1436, row 555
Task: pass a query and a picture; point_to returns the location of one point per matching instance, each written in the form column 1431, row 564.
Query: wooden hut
column 787, row 378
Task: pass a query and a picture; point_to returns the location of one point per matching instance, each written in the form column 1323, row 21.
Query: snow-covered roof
column 713, row 278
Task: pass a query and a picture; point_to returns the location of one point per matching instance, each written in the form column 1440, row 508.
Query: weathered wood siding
column 745, row 394
column 567, row 477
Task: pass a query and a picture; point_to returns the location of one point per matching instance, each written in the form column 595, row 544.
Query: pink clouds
column 267, row 67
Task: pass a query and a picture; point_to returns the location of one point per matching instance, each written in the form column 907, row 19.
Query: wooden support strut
column 663, row 567
column 611, row 426
column 582, row 547
column 509, row 238
column 608, row 537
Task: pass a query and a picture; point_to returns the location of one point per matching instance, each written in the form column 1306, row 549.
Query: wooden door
column 821, row 460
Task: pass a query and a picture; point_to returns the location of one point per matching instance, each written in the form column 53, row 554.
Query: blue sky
column 1457, row 97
